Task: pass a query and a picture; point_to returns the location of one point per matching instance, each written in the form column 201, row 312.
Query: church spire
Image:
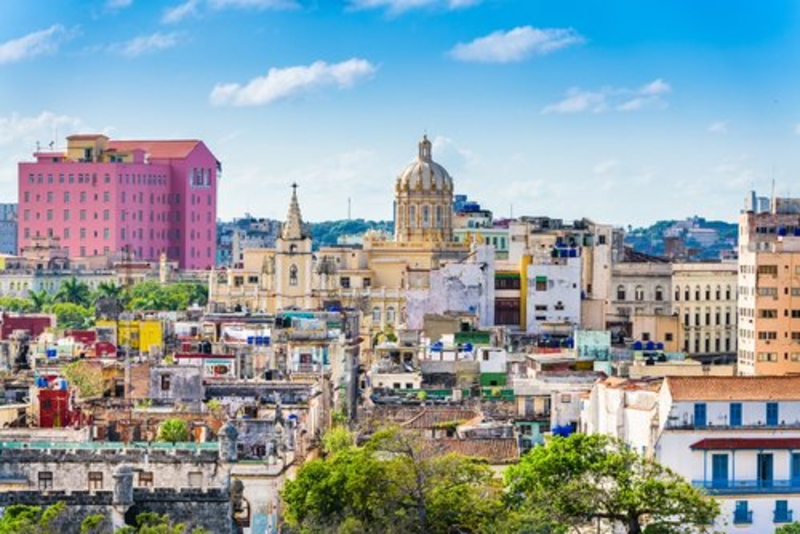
column 293, row 227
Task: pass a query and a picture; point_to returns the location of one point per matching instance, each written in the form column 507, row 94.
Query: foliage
column 16, row 304
column 152, row 523
column 328, row 232
column 87, row 378
column 151, row 295
column 789, row 528
column 25, row 519
column 39, row 299
column 108, row 290
column 337, row 439
column 70, row 315
column 94, row 524
column 73, row 291
column 174, row 430
column 582, row 479
column 393, row 483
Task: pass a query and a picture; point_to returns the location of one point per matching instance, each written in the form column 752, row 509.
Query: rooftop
column 739, row 388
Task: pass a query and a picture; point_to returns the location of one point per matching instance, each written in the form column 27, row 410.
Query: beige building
column 769, row 288
column 380, row 276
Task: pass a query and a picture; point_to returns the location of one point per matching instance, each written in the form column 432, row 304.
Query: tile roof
column 170, row 149
column 740, row 388
column 433, row 417
column 495, row 451
column 746, row 443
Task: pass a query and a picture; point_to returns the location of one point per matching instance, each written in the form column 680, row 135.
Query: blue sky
column 625, row 112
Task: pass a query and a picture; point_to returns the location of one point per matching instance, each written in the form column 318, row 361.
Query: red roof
column 716, row 444
column 173, row 149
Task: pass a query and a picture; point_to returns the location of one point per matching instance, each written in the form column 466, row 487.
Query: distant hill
column 698, row 238
column 327, row 233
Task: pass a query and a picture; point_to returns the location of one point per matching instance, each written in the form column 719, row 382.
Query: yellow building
column 374, row 278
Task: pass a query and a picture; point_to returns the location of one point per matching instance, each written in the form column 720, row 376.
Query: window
column 293, row 275
column 772, row 413
column 367, row 282
column 145, row 479
column 621, row 293
column 699, row 414
column 390, row 315
column 782, row 514
column 742, row 514
column 659, row 293
column 95, row 480
column 767, row 335
column 668, row 336
column 767, row 269
column 541, row 283
column 376, row 315
column 195, row 479
column 165, row 382
column 736, row 414
column 639, row 293
column 45, row 480
column 344, row 281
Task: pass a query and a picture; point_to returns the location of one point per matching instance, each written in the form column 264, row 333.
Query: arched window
column 621, row 292
column 639, row 293
column 728, row 293
column 659, row 293
column 677, row 293
column 426, row 216
column 697, row 293
column 390, row 315
column 438, row 216
column 708, row 292
column 376, row 315
column 686, row 293
column 412, row 216
column 718, row 293
column 293, row 275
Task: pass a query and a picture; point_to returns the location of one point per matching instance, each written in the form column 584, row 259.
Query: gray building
column 8, row 228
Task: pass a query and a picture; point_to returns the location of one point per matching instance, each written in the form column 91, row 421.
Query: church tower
column 293, row 260
column 424, row 200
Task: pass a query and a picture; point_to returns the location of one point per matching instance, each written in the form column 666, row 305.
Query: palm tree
column 39, row 299
column 109, row 290
column 174, row 430
column 74, row 292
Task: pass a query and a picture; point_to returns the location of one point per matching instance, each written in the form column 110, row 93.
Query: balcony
column 742, row 487
column 782, row 516
column 742, row 517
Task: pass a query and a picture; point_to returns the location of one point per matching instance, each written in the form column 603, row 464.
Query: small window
column 293, row 275
column 344, row 281
column 165, row 382
column 195, row 479
column 145, row 479
column 95, row 480
column 45, row 480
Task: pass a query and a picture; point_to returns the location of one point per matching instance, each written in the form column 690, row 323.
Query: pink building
column 139, row 198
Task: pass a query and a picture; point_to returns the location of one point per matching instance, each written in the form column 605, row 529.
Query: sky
column 622, row 111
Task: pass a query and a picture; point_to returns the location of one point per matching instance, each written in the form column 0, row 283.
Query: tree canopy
column 174, row 430
column 393, row 483
column 584, row 479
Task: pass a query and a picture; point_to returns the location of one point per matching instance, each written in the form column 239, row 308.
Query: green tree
column 25, row 519
column 174, row 430
column 152, row 523
column 70, row 315
column 16, row 304
column 74, row 291
column 789, row 528
column 87, row 378
column 151, row 295
column 393, row 483
column 39, row 299
column 585, row 479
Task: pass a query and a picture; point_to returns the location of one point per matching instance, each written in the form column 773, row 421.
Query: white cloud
column 396, row 7
column 284, row 83
column 648, row 96
column 718, row 127
column 254, row 4
column 516, row 45
column 34, row 44
column 144, row 44
column 113, row 5
column 180, row 12
column 42, row 127
column 606, row 167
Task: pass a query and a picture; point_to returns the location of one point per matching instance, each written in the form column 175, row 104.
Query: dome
column 424, row 173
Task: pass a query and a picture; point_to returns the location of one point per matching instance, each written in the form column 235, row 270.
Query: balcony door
column 764, row 462
column 795, row 469
column 719, row 470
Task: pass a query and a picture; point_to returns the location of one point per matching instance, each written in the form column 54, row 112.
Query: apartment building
column 134, row 198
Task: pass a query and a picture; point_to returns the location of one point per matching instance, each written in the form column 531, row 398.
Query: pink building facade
column 134, row 199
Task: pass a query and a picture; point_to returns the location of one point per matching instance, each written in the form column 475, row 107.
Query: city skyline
column 618, row 112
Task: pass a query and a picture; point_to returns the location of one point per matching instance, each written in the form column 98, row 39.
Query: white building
column 554, row 292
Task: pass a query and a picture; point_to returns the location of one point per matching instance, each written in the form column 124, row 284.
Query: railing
column 689, row 425
column 731, row 487
column 742, row 517
column 782, row 516
column 107, row 445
